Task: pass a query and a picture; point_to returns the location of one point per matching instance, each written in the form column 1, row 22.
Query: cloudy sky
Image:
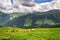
column 25, row 6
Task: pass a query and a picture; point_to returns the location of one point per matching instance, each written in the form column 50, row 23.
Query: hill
column 37, row 19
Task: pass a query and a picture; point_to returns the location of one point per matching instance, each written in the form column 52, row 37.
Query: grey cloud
column 25, row 6
column 28, row 3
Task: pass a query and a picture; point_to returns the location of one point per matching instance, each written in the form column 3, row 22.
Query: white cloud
column 25, row 6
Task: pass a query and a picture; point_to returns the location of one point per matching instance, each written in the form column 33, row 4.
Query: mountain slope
column 4, row 18
column 37, row 19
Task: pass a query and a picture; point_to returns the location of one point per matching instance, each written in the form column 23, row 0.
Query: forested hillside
column 36, row 19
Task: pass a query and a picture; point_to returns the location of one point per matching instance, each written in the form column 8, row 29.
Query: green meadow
column 10, row 33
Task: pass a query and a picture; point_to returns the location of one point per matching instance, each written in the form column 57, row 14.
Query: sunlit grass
column 9, row 33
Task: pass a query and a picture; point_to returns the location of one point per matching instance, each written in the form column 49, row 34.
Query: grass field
column 9, row 33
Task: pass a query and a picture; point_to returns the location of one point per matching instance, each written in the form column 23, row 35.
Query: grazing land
column 13, row 33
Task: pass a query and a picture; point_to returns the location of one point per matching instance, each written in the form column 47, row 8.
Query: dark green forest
column 50, row 19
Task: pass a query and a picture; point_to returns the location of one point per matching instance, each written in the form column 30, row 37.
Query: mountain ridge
column 52, row 16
